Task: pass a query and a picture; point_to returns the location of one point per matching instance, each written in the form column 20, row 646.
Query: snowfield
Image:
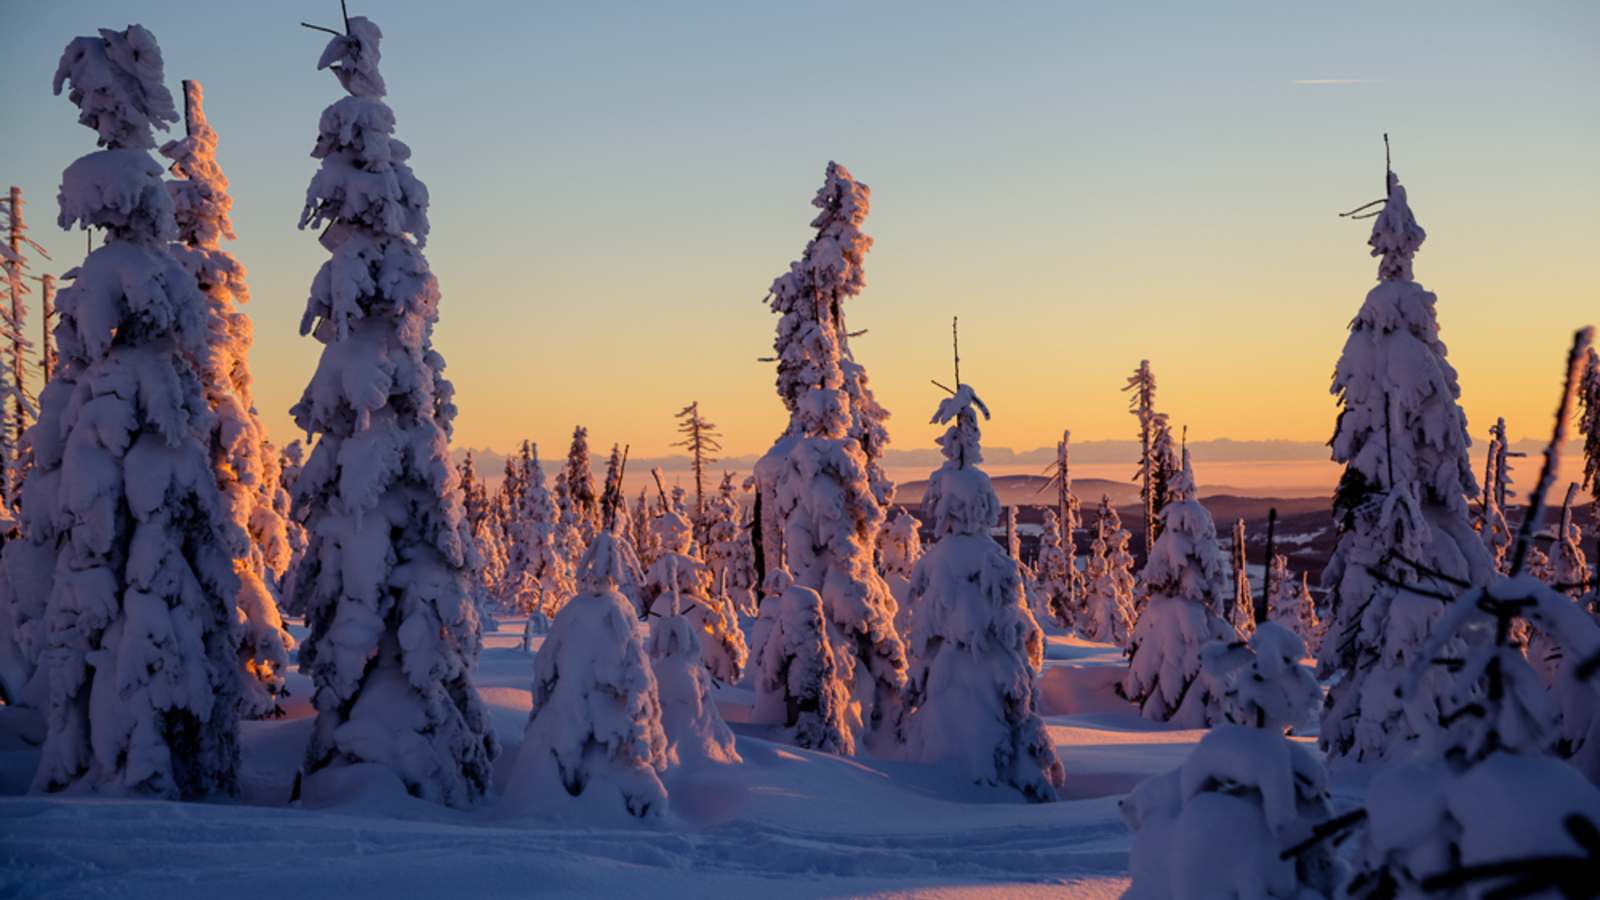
column 786, row 823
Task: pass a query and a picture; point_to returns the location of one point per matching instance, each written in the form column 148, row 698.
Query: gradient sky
column 614, row 186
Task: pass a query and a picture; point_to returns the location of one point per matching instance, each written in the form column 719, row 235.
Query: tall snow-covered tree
column 695, row 731
column 899, row 548
column 728, row 552
column 1068, row 585
column 1241, row 610
column 484, row 526
column 1403, row 441
column 1108, row 614
column 14, row 350
column 394, row 631
column 594, row 748
column 975, row 647
column 1052, row 567
column 1186, row 580
column 1142, row 403
column 125, row 540
column 820, row 507
column 580, row 487
column 243, row 460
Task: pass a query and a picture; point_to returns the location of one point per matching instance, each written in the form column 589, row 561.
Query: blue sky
column 615, row 185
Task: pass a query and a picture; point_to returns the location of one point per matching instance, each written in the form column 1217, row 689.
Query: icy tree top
column 117, row 86
column 200, row 197
column 364, row 182
column 354, row 57
column 960, row 498
column 809, row 296
column 1396, row 236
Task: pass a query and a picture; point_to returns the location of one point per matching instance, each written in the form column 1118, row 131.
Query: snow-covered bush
column 1403, row 440
column 1218, row 825
column 243, row 461
column 694, row 728
column 1109, row 583
column 594, row 747
column 125, row 543
column 1260, row 681
column 798, row 683
column 1184, row 578
column 388, row 578
column 820, row 507
column 975, row 647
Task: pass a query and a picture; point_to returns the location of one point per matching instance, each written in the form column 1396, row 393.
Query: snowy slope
column 787, row 823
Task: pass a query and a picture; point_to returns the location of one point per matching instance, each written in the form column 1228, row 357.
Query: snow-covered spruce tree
column 1185, row 579
column 1142, row 404
column 1492, row 526
column 899, row 548
column 291, row 459
column 1164, row 464
column 1055, row 579
column 1108, row 600
column 124, row 537
column 570, row 523
column 594, row 747
column 798, row 684
column 729, row 551
column 1403, row 441
column 1241, row 610
column 694, row 728
column 821, row 509
column 1291, row 605
column 580, row 487
column 975, row 647
column 678, row 575
column 538, row 576
column 1217, row 825
column 243, row 460
column 512, row 486
column 486, row 533
column 394, row 632
column 1260, row 681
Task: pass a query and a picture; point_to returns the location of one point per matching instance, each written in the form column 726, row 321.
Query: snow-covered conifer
column 125, row 540
column 242, row 458
column 729, row 552
column 1185, row 579
column 394, row 631
column 1492, row 526
column 1260, row 682
column 1241, row 611
column 14, row 347
column 1217, row 826
column 975, row 647
column 580, row 487
column 538, row 576
column 899, row 548
column 677, row 574
column 1055, row 579
column 700, row 439
column 1403, row 441
column 694, row 728
column 1291, row 604
column 1108, row 614
column 798, row 683
column 821, row 509
column 594, row 747
column 570, row 523
column 486, row 533
column 291, row 459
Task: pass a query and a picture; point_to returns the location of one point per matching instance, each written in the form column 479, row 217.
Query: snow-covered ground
column 785, row 823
